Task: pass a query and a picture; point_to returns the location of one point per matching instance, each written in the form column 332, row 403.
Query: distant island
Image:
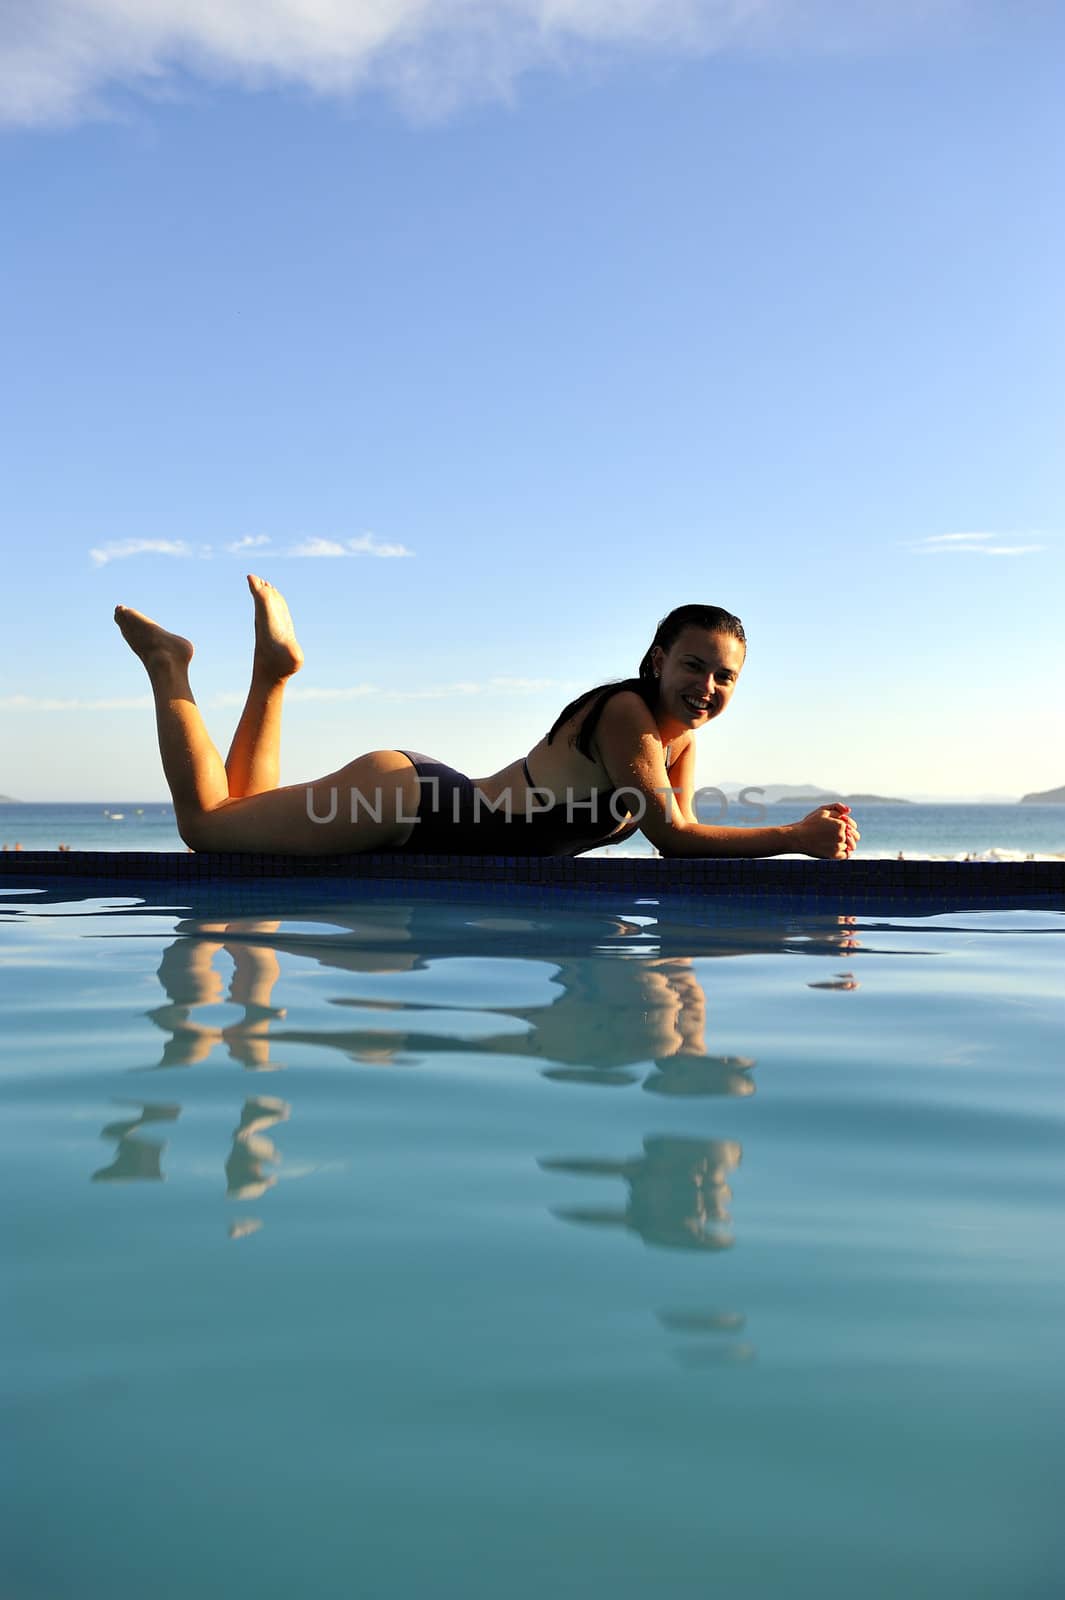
column 778, row 794
column 9, row 800
column 809, row 795
column 847, row 799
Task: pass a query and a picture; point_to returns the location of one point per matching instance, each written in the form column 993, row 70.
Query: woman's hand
column 830, row 832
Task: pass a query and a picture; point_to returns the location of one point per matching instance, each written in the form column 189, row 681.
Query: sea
column 1004, row 832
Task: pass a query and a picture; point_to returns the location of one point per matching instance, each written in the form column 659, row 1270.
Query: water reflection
column 625, row 1007
column 701, row 1322
column 606, row 1022
column 136, row 1157
column 677, row 1192
column 738, row 1354
column 189, row 979
column 615, row 1009
column 249, row 1169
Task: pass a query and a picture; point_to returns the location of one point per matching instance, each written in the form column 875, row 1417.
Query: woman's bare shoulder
column 625, row 709
column 626, row 732
column 621, row 712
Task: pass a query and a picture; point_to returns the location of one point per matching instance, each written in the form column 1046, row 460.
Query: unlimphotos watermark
column 467, row 803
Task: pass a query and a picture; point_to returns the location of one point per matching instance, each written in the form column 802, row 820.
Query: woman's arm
column 630, row 749
column 682, row 781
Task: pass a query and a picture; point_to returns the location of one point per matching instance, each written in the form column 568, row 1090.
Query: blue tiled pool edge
column 1019, row 883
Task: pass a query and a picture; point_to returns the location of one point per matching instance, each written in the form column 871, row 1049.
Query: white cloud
column 365, row 545
column 29, row 702
column 59, row 59
column 355, row 691
column 953, row 538
column 1010, row 549
column 975, row 544
column 250, row 541
column 313, row 692
column 523, row 685
column 317, row 547
column 120, row 549
column 436, row 691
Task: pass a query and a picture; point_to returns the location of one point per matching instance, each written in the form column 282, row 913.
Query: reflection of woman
column 188, row 976
column 608, row 1012
column 619, row 756
column 678, row 1191
column 607, row 1016
column 253, row 1154
column 622, row 994
column 136, row 1157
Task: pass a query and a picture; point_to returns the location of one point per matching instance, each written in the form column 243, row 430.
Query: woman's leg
column 253, row 762
column 191, row 765
column 368, row 804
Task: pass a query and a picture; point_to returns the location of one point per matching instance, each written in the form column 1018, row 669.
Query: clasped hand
column 830, row 832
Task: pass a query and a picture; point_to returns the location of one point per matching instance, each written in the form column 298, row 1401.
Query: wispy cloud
column 353, row 691
column 30, row 702
column 525, row 685
column 973, row 544
column 122, row 549
column 60, row 58
column 313, row 692
column 952, row 538
column 365, row 545
column 462, row 689
column 250, row 541
column 436, row 691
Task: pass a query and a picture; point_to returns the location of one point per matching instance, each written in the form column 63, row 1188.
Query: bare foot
column 151, row 642
column 277, row 654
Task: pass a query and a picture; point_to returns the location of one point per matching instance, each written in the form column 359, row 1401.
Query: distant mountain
column 9, row 800
column 813, row 800
column 768, row 793
column 798, row 794
column 999, row 799
column 811, row 794
column 847, row 799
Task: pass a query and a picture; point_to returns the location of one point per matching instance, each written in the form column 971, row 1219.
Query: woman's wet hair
column 713, row 619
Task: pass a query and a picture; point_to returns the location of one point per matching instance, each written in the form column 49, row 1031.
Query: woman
column 619, row 757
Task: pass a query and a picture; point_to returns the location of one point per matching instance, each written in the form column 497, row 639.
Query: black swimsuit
column 454, row 818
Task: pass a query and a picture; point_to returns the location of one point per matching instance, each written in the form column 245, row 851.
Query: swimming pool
column 407, row 1243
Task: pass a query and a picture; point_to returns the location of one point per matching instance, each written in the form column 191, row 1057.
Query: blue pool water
column 414, row 1247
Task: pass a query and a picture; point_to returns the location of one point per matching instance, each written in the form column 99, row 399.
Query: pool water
column 424, row 1247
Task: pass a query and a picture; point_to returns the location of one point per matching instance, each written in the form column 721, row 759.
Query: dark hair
column 713, row 618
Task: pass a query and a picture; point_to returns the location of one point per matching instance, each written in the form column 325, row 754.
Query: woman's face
column 697, row 674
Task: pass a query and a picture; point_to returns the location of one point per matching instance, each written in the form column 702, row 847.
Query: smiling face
column 696, row 676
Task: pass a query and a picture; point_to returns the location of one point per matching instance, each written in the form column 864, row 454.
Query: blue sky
column 500, row 343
